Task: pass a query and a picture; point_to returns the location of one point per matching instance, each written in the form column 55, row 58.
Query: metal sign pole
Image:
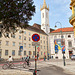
column 64, row 59
column 35, row 62
column 35, row 71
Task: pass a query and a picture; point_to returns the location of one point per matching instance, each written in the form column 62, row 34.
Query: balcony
column 72, row 2
column 72, row 19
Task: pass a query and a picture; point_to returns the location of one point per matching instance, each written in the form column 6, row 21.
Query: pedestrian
column 44, row 57
column 22, row 58
column 27, row 60
column 48, row 57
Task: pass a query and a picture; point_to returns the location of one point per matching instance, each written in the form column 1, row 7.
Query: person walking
column 27, row 60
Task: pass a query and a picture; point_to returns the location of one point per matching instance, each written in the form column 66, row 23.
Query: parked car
column 73, row 57
column 1, row 59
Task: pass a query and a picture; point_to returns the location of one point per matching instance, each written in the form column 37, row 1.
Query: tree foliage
column 16, row 13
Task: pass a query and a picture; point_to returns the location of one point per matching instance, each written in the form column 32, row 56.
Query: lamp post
column 47, row 49
column 62, row 41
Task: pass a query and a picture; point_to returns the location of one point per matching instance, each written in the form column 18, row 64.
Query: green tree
column 16, row 13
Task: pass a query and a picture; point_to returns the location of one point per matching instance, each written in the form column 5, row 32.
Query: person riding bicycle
column 27, row 60
column 10, row 60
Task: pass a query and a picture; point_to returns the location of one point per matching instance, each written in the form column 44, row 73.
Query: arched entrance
column 70, row 53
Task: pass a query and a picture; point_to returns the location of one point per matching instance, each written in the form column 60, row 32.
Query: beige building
column 10, row 44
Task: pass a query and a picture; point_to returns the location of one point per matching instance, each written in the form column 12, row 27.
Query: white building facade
column 67, row 36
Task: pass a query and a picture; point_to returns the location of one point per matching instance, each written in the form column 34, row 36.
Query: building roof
column 39, row 27
column 68, row 29
column 36, row 30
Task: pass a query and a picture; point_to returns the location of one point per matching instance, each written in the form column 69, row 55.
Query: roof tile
column 68, row 29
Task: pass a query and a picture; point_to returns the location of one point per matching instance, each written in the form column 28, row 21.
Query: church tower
column 45, row 18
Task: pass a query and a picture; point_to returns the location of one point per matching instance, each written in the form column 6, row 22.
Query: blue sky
column 59, row 11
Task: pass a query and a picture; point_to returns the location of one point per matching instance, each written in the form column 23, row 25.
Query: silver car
column 73, row 57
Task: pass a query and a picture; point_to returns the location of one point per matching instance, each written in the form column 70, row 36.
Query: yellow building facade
column 72, row 18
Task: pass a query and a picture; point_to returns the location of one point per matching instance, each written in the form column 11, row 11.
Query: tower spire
column 44, row 6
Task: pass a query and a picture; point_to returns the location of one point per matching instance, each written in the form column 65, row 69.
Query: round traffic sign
column 35, row 37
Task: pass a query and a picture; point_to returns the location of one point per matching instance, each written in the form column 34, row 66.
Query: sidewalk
column 70, row 65
column 15, row 72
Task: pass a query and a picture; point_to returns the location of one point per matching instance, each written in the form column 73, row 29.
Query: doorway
column 70, row 53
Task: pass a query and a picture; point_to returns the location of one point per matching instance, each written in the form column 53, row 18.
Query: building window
column 33, row 52
column 29, row 38
column 42, row 24
column 69, row 44
column 44, row 42
column 6, row 52
column 13, row 52
column 29, row 52
column 24, row 32
column 0, row 42
column 29, row 45
column 42, row 15
column 24, row 38
column 44, row 47
column 19, row 37
column 13, row 43
column 55, row 37
column 13, row 35
column 24, row 44
column 41, row 41
column 62, row 36
column 20, row 31
column 40, row 36
column 44, row 37
column 74, row 9
column 29, row 33
column 7, row 35
column 41, row 53
column 41, row 46
column 46, row 15
column 24, row 52
column 19, row 53
column 19, row 44
column 33, row 46
column 7, row 43
column 69, row 36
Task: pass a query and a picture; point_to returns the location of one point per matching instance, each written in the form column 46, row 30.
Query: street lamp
column 61, row 41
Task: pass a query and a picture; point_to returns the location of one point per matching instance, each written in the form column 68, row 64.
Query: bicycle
column 8, row 65
column 26, row 64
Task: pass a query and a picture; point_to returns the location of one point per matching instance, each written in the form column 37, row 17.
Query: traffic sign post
column 35, row 38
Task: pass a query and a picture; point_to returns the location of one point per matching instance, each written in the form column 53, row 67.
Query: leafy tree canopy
column 16, row 13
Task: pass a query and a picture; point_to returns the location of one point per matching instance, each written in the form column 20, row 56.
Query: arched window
column 69, row 36
column 62, row 36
